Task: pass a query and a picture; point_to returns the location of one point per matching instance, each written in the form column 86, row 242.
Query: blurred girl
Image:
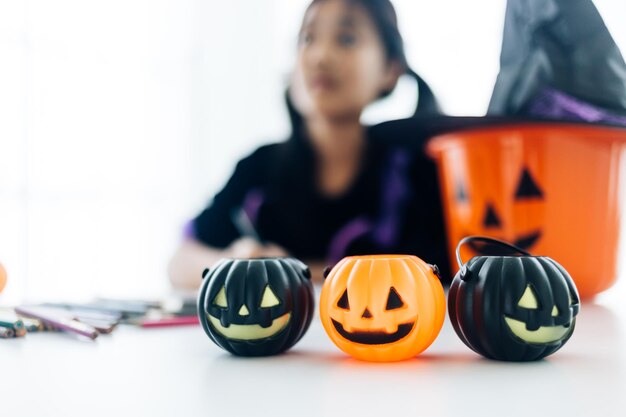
column 329, row 191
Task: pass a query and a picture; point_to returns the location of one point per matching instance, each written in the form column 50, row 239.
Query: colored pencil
column 32, row 325
column 6, row 333
column 9, row 319
column 168, row 321
column 58, row 320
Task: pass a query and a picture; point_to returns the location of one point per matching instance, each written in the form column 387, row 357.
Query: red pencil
column 169, row 321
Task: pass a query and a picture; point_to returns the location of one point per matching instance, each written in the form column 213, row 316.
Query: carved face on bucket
column 382, row 307
column 240, row 322
column 519, row 213
column 256, row 306
column 542, row 320
column 513, row 308
column 389, row 325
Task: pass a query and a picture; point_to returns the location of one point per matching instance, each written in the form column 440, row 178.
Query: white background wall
column 119, row 119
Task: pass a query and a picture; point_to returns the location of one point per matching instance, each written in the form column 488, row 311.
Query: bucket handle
column 468, row 239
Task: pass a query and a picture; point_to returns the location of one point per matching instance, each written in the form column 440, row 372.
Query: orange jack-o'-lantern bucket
column 553, row 189
column 3, row 277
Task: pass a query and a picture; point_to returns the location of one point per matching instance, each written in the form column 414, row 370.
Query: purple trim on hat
column 554, row 104
column 395, row 191
column 252, row 203
column 342, row 239
column 189, row 230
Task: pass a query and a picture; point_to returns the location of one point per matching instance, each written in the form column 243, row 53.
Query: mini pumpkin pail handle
column 468, row 239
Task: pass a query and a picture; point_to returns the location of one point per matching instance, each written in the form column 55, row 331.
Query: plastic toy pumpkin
column 256, row 307
column 382, row 307
column 3, row 277
column 529, row 183
column 512, row 308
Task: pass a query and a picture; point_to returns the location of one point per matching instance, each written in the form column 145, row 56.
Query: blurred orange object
column 382, row 307
column 553, row 189
column 3, row 277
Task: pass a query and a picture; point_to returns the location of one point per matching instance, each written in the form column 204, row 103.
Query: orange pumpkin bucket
column 382, row 308
column 3, row 277
column 553, row 189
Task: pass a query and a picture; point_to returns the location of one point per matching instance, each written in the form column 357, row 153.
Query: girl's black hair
column 385, row 21
column 299, row 159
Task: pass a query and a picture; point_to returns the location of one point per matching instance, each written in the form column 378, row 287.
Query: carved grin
column 374, row 338
column 250, row 331
column 543, row 335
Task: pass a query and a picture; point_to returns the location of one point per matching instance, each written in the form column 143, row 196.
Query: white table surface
column 179, row 371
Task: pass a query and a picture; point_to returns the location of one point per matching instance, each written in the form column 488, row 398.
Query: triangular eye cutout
column 343, row 301
column 528, row 299
column 527, row 187
column 393, row 301
column 491, row 219
column 220, row 298
column 269, row 298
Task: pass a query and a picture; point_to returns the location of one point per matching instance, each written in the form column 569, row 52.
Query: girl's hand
column 247, row 247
